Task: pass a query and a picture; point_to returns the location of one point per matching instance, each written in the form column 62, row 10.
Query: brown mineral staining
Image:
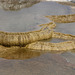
column 31, row 40
column 18, row 53
column 62, row 18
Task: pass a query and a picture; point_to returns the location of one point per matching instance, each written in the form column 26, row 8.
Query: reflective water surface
column 26, row 62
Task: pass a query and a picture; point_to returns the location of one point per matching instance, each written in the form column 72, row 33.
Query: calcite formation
column 72, row 3
column 21, row 39
column 17, row 4
column 62, row 18
column 31, row 40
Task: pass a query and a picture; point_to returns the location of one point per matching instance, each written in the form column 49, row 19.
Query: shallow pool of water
column 28, row 19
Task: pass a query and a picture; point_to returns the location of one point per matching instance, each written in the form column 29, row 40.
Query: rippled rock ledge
column 17, row 4
column 28, row 40
column 68, row 3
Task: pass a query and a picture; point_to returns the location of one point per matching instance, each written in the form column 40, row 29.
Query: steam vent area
column 37, row 37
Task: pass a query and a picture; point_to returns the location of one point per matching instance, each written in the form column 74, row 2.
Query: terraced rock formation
column 31, row 40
